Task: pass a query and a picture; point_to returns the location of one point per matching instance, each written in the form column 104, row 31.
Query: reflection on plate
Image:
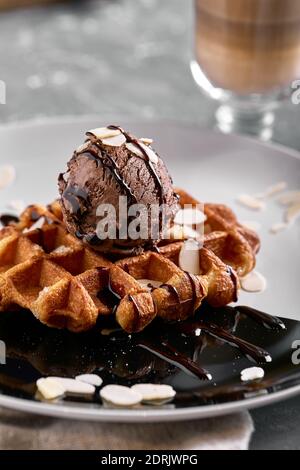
column 34, row 350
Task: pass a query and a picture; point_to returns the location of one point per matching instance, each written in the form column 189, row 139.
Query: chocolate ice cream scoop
column 109, row 165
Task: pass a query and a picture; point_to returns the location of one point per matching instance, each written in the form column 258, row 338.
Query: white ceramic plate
column 212, row 167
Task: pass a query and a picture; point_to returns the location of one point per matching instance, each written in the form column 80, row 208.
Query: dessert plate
column 214, row 168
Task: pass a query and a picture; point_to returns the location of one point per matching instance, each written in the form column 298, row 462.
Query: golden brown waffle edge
column 68, row 285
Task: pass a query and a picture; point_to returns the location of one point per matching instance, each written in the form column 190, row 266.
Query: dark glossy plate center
column 177, row 354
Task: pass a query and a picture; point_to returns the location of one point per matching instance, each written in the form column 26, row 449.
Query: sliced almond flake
column 151, row 154
column 104, row 132
column 137, row 151
column 254, row 282
column 272, row 190
column 189, row 233
column 146, row 141
column 292, row 213
column 279, row 227
column 134, row 149
column 252, row 225
column 174, row 233
column 252, row 373
column 7, row 175
column 290, row 197
column 66, row 176
column 251, row 202
column 116, row 141
column 119, row 395
column 82, row 148
column 190, row 216
column 276, row 188
column 50, row 388
column 91, row 379
column 149, row 283
column 154, row 392
column 189, row 257
column 75, row 386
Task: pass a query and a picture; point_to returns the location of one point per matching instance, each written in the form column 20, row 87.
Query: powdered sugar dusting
column 62, row 250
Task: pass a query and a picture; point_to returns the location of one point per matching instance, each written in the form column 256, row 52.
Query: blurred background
column 119, row 58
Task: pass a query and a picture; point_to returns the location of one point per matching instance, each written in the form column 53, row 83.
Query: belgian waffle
column 234, row 244
column 67, row 285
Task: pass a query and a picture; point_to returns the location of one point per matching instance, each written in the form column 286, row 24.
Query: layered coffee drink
column 248, row 46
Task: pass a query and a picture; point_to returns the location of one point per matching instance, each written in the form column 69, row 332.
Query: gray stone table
column 128, row 58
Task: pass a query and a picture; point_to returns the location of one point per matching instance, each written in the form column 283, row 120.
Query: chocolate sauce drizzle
column 74, row 196
column 173, row 291
column 174, row 357
column 194, row 288
column 35, row 351
column 156, row 355
column 159, row 185
column 135, row 141
column 108, row 294
column 255, row 352
column 192, row 328
column 262, row 318
column 234, row 279
column 189, row 328
column 109, row 163
column 195, row 328
column 137, row 312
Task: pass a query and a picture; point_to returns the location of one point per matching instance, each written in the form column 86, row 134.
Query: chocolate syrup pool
column 215, row 344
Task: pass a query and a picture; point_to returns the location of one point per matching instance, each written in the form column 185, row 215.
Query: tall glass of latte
column 247, row 55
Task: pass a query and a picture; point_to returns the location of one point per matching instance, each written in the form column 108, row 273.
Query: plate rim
column 69, row 119
column 144, row 415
